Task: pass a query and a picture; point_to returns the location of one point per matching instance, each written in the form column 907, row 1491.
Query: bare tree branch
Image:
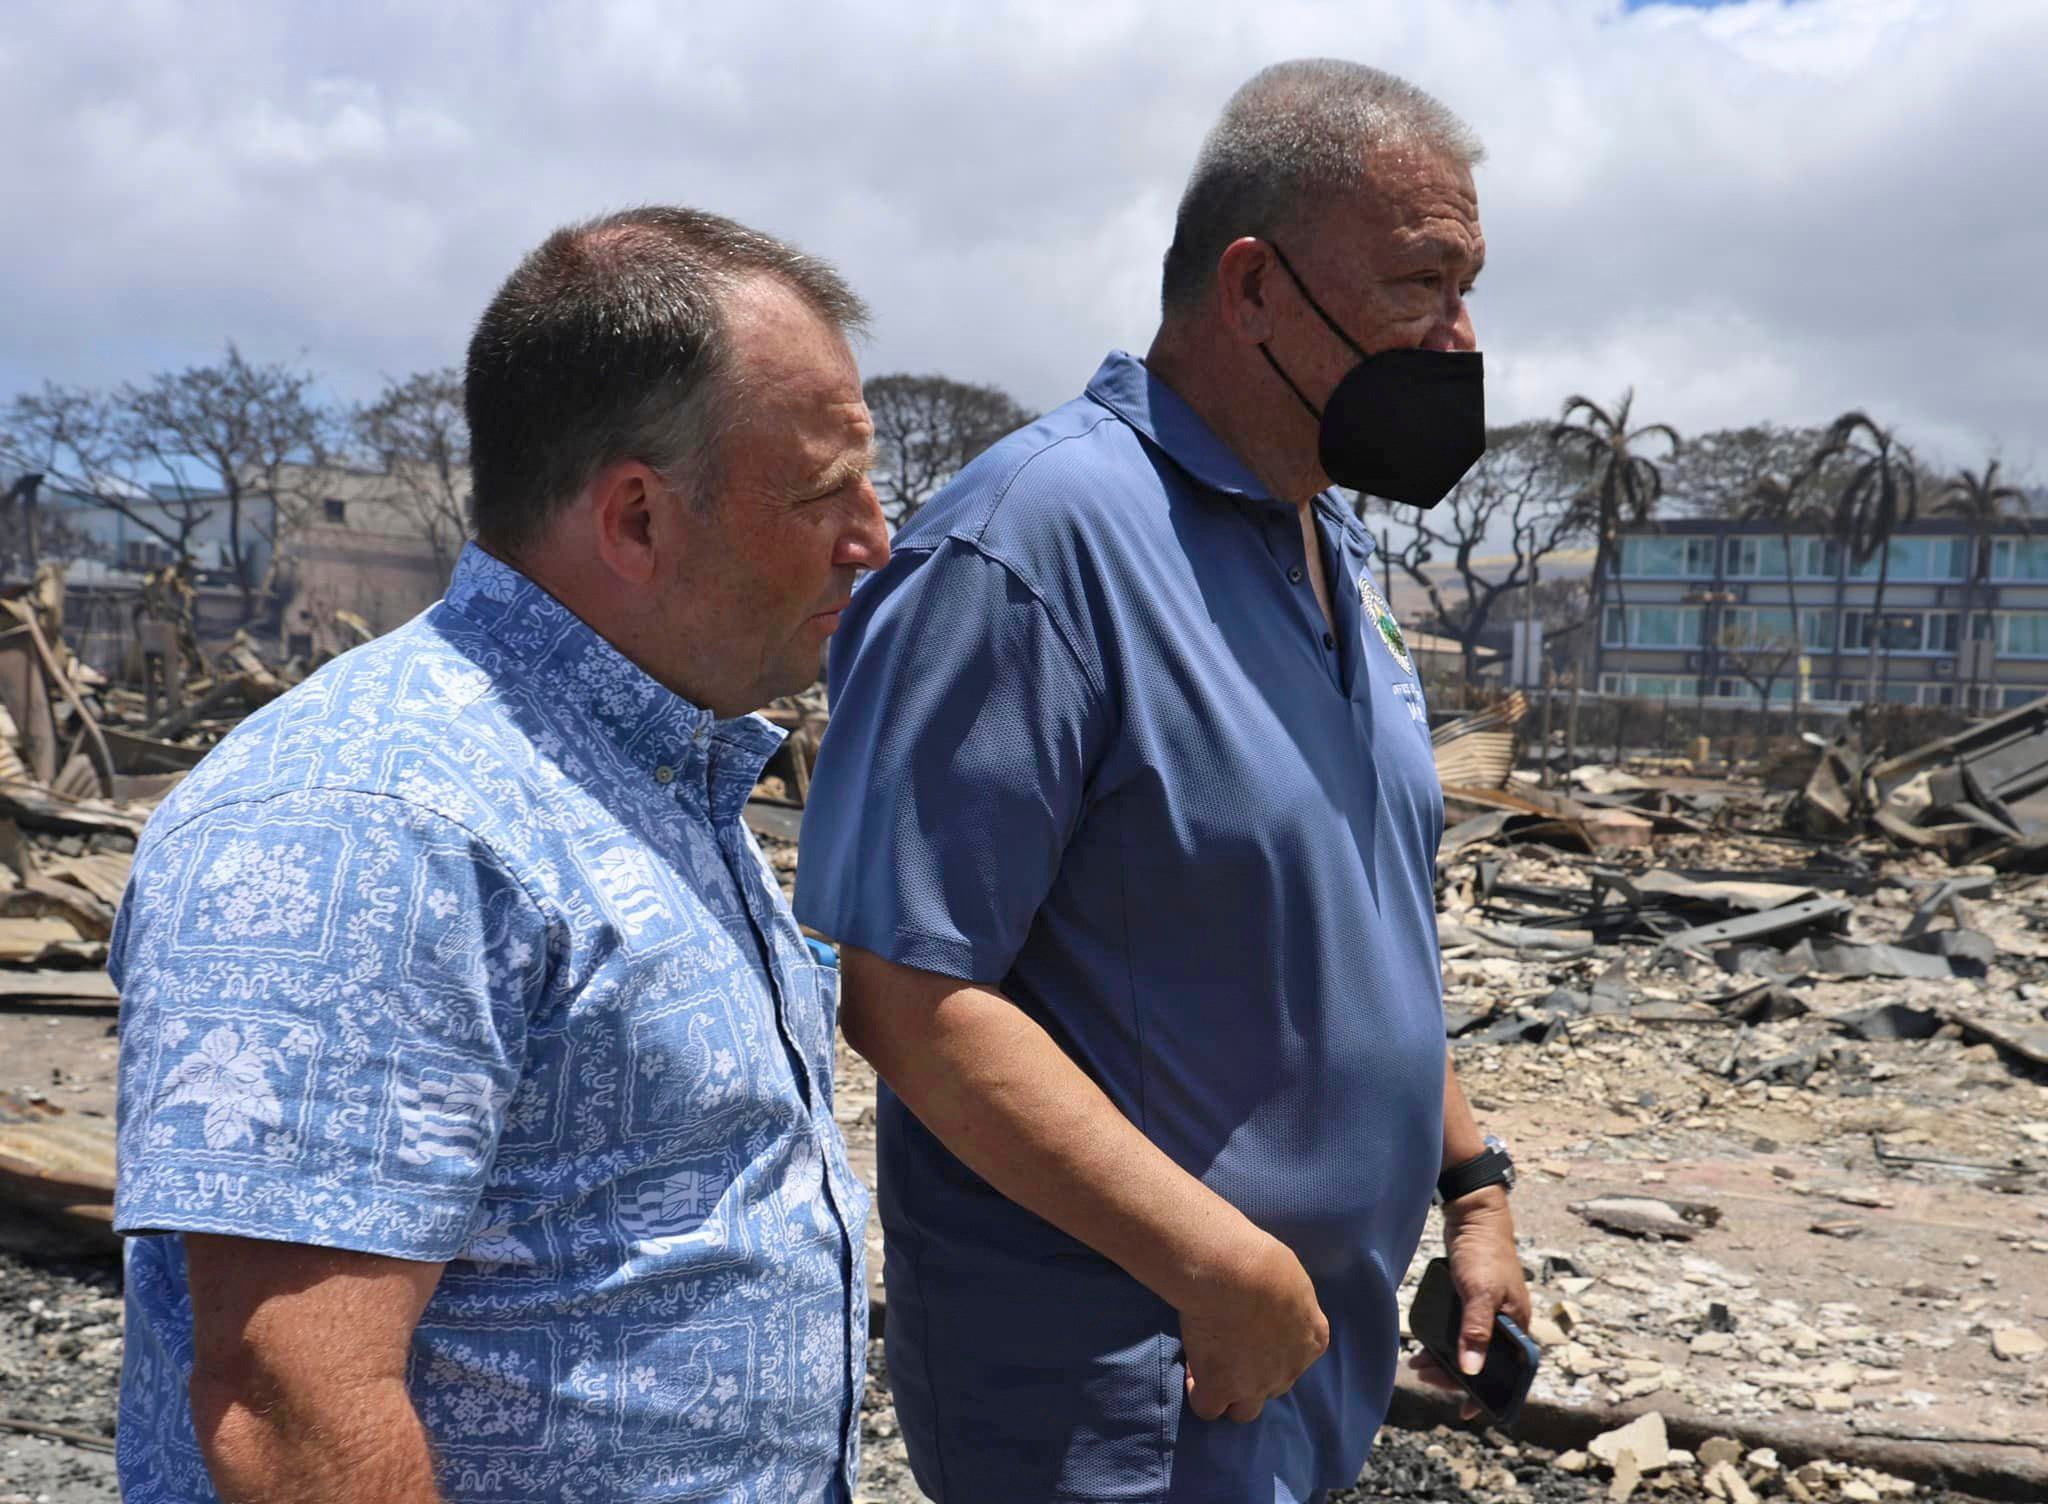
column 927, row 428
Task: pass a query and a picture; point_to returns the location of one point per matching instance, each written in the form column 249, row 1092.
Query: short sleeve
column 323, row 1015
column 964, row 728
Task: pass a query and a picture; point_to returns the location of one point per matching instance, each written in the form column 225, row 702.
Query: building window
column 1756, row 558
column 1661, row 558
column 334, row 510
column 1818, row 558
column 1903, row 632
column 144, row 553
column 1756, row 627
column 1649, row 686
column 2012, row 699
column 2019, row 559
column 1652, row 627
column 1744, row 692
column 1919, row 559
column 2023, row 634
column 1937, row 694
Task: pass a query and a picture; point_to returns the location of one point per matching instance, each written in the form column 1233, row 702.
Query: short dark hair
column 1293, row 136
column 609, row 343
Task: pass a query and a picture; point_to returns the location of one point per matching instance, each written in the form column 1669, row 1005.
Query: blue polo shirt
column 1094, row 743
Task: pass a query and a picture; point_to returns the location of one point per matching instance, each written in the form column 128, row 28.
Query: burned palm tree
column 1880, row 496
column 1788, row 506
column 1981, row 502
column 1621, row 489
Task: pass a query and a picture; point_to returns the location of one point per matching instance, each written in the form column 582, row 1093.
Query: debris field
column 1773, row 1063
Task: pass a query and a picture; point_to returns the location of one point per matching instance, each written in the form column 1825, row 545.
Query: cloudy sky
column 1760, row 210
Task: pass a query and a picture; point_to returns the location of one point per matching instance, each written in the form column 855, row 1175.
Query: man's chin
column 804, row 670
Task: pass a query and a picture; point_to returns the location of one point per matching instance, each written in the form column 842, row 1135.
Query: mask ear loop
column 1301, row 396
column 1333, row 326
column 1302, row 288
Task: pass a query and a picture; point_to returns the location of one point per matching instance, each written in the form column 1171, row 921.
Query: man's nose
column 1453, row 327
column 865, row 545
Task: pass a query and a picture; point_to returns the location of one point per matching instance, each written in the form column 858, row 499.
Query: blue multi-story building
column 1702, row 609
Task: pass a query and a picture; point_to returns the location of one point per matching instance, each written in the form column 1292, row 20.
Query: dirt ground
column 1858, row 1250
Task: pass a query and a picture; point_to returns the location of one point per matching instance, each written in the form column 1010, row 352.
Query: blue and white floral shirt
column 460, row 951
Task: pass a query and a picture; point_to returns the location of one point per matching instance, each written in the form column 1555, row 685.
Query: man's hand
column 1251, row 1332
column 1479, row 1239
column 298, row 1372
column 1003, row 1096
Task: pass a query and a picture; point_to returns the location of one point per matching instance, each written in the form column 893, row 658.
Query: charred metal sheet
column 1889, row 1021
column 1814, row 913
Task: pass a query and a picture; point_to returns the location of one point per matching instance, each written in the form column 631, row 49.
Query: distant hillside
column 1411, row 603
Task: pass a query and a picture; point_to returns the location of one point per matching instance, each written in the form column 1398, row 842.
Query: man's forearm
column 1002, row 1096
column 1462, row 1138
column 265, row 1446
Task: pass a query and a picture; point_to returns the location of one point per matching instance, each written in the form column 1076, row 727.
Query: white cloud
column 1757, row 211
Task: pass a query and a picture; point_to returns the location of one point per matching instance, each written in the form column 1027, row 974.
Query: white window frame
column 1630, row 686
column 1631, row 617
column 1919, row 649
column 1821, row 640
column 2005, row 554
column 1740, row 568
column 1732, row 614
column 1828, row 549
column 1999, row 636
column 1949, row 541
column 1693, row 548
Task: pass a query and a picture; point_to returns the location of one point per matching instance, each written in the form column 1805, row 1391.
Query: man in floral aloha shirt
column 476, row 1134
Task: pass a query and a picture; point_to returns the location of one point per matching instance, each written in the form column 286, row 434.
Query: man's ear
column 624, row 499
column 1243, row 277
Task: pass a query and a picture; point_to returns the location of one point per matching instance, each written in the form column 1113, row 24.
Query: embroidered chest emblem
column 1381, row 615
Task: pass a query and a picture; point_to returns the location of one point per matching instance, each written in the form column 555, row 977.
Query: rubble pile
column 1781, row 1105
column 1774, row 1067
column 1979, row 796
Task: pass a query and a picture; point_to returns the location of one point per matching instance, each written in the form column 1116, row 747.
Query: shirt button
column 664, row 774
column 1330, row 640
column 699, row 734
column 1294, row 575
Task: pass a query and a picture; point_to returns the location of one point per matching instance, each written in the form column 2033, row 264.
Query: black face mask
column 1402, row 424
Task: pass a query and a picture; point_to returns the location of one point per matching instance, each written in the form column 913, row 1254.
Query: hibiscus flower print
column 226, row 1076
column 262, row 892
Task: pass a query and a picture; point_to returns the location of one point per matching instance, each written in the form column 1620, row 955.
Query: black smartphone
column 1502, row 1383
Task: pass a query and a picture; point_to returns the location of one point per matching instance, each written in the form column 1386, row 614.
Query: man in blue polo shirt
column 1127, row 820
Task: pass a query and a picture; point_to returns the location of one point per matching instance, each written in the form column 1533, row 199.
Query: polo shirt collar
column 1126, row 386
column 597, row 687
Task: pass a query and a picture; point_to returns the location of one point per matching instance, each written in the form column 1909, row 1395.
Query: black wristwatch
column 1492, row 1166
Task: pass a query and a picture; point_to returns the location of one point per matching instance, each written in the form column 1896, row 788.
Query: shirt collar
column 1126, row 386
column 597, row 687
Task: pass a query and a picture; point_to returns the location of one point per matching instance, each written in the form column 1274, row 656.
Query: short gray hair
column 608, row 343
column 1295, row 134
